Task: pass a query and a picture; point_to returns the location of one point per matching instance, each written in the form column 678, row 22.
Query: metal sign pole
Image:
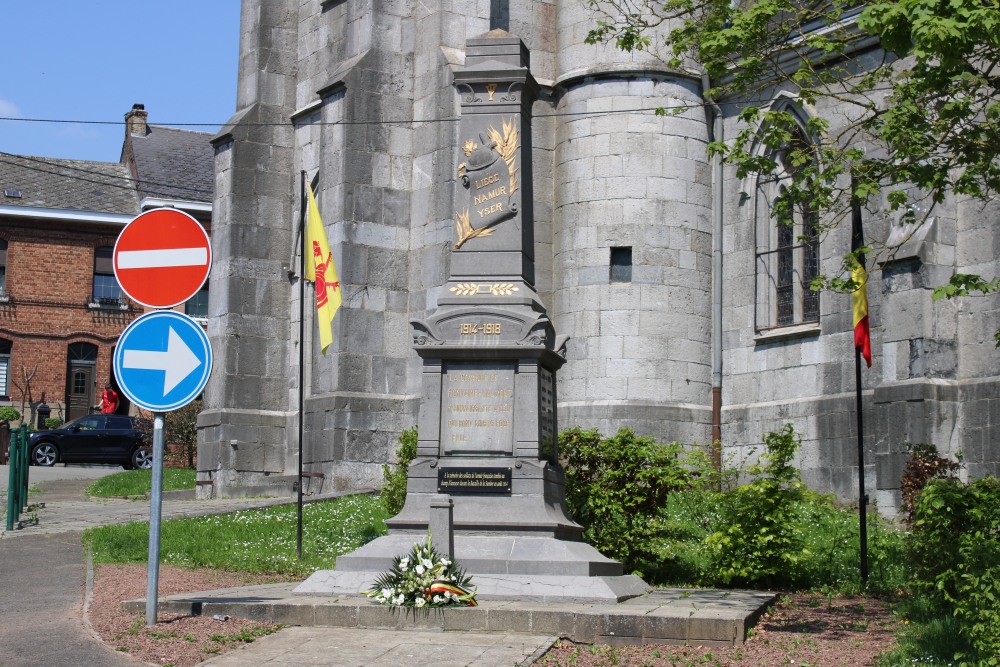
column 155, row 506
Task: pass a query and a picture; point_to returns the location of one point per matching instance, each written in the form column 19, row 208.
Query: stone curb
column 706, row 618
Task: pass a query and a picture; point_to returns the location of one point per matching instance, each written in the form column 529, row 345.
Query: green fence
column 17, row 480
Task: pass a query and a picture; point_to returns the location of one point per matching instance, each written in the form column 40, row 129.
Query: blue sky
column 80, row 60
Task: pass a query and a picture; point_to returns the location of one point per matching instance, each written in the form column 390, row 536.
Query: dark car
column 114, row 439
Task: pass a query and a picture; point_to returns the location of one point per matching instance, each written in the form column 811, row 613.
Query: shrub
column 53, row 422
column 180, row 430
column 761, row 541
column 923, row 465
column 954, row 552
column 617, row 486
column 8, row 414
column 393, row 492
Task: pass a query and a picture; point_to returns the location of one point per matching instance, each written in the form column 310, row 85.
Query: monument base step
column 527, row 588
column 667, row 616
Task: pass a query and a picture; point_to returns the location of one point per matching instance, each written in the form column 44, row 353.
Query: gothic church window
column 787, row 247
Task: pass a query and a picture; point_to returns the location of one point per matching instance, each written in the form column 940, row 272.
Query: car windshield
column 86, row 423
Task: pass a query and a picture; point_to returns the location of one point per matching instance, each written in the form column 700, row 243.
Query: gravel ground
column 180, row 641
column 803, row 629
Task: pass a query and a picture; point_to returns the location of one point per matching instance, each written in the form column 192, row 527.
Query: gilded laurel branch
column 496, row 289
column 507, row 148
column 503, row 289
column 465, row 230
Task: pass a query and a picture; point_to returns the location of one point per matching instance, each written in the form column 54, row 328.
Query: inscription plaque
column 547, row 413
column 474, row 480
column 478, row 408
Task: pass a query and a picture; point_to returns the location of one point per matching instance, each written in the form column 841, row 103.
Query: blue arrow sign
column 163, row 360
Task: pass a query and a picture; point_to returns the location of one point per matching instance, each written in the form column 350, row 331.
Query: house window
column 621, row 265
column 3, row 268
column 197, row 306
column 107, row 291
column 787, row 250
column 5, row 346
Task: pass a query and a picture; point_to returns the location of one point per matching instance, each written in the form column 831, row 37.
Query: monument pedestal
column 487, row 424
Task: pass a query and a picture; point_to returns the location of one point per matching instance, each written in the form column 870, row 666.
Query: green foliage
column 8, row 414
column 923, row 465
column 53, row 422
column 677, row 531
column 616, row 486
column 393, row 492
column 964, row 284
column 926, row 637
column 954, row 555
column 258, row 541
column 133, row 483
column 760, row 541
column 901, row 132
column 180, row 433
column 180, row 430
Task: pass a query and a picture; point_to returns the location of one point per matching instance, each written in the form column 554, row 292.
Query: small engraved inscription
column 477, row 408
column 547, row 412
column 474, row 480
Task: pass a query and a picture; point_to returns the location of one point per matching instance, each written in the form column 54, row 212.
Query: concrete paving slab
column 38, row 474
column 385, row 648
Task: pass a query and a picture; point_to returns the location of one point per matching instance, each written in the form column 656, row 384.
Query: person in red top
column 109, row 400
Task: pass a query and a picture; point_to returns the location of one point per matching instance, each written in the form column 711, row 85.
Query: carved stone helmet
column 483, row 157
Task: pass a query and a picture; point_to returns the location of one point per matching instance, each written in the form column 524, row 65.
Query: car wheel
column 44, row 454
column 142, row 458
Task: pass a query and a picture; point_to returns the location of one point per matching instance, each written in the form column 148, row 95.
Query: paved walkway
column 57, row 503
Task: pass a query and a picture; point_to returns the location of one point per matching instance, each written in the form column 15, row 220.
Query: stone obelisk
column 486, row 458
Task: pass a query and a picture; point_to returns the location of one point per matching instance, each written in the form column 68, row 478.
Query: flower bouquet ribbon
column 448, row 589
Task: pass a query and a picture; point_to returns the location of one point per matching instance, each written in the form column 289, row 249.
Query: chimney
column 135, row 121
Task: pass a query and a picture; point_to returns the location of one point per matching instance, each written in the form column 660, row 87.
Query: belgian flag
column 859, row 298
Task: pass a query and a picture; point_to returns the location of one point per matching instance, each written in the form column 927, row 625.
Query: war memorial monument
column 486, row 480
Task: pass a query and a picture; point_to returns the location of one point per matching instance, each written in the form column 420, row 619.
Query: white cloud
column 9, row 109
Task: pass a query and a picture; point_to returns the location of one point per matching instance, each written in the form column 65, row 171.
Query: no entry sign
column 162, row 258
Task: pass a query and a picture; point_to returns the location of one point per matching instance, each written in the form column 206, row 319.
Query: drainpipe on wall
column 717, row 134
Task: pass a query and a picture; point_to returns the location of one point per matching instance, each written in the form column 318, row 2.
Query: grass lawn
column 140, row 482
column 259, row 541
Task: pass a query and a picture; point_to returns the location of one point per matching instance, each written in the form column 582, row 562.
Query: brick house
column 61, row 309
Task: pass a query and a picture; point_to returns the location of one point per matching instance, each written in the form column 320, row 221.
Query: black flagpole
column 302, row 330
column 862, row 496
column 857, row 242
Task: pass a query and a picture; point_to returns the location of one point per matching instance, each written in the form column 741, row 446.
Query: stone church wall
column 361, row 97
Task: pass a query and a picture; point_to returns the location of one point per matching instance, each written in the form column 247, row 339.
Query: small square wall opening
column 621, row 265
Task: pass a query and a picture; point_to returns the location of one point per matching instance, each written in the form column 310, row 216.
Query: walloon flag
column 321, row 270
